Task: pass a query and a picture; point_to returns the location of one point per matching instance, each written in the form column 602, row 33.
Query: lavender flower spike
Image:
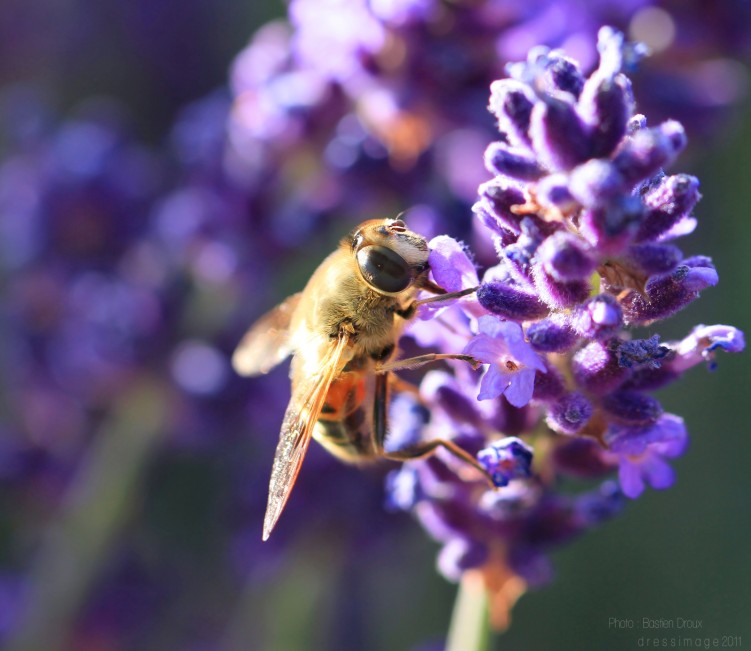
column 584, row 220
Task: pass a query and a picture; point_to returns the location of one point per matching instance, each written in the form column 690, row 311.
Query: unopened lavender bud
column 511, row 102
column 667, row 294
column 649, row 378
column 612, row 227
column 551, row 336
column 581, row 457
column 655, row 258
column 632, row 407
column 510, row 302
column 606, row 104
column 497, row 197
column 489, row 219
column 649, row 150
column 517, row 163
column 550, row 385
column 596, row 183
column 559, row 295
column 559, row 136
column 570, row 413
column 565, row 257
column 700, row 275
column 565, row 75
column 553, row 192
column 667, row 203
column 600, row 317
column 596, row 369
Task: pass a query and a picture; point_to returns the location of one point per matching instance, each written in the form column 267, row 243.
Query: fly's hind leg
column 424, row 449
column 418, row 450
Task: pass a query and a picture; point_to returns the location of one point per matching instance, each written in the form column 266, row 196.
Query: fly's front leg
column 408, row 312
column 446, row 297
column 421, row 360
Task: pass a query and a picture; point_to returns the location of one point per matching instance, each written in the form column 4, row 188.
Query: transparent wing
column 266, row 344
column 297, row 428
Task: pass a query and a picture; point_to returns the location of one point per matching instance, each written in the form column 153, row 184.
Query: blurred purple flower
column 642, row 452
column 507, row 459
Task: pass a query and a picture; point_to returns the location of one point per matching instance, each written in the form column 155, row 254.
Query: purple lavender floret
column 584, row 219
column 507, row 459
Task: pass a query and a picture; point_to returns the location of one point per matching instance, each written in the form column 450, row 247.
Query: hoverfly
column 342, row 330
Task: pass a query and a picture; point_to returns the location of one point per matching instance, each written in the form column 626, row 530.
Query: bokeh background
column 157, row 193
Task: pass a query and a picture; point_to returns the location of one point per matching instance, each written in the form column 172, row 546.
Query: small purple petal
column 702, row 344
column 519, row 391
column 451, row 267
column 629, row 476
column 634, row 440
column 658, row 473
column 493, row 383
column 698, row 278
column 485, row 348
column 669, row 293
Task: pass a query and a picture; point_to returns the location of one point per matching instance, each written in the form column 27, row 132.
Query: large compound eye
column 384, row 269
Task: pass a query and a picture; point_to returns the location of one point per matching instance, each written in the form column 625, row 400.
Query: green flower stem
column 469, row 629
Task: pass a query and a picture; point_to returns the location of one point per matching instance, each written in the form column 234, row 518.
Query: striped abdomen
column 345, row 426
